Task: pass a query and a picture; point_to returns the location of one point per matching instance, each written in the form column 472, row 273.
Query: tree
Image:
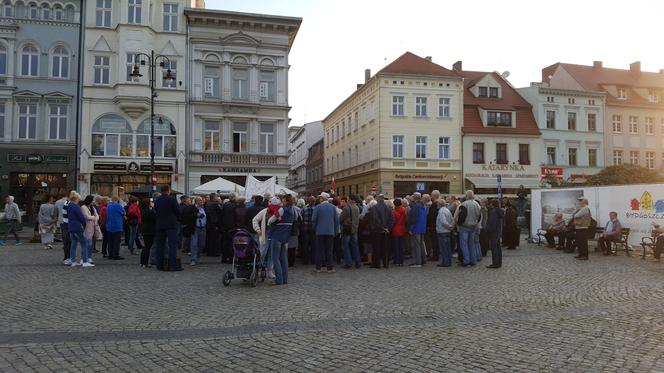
column 625, row 174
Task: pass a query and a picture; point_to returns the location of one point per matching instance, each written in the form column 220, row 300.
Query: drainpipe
column 79, row 90
column 187, row 108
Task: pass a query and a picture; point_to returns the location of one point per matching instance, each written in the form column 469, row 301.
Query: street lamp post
column 153, row 62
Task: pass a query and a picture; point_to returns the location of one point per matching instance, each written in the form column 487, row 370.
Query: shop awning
column 508, row 182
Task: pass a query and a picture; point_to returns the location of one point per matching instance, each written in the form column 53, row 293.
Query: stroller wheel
column 228, row 276
column 263, row 274
column 253, row 278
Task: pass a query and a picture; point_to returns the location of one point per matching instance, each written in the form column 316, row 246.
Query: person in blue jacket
column 167, row 225
column 115, row 216
column 325, row 222
column 76, row 228
column 417, row 222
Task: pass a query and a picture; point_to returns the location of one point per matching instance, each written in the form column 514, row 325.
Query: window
column 592, row 122
column 58, row 13
column 634, row 157
column 501, row 153
column 104, row 8
column 2, row 120
column 478, row 153
column 550, row 99
column 57, row 129
column 622, row 95
column 397, row 146
column 108, row 133
column 650, row 125
column 356, row 121
column 134, row 8
column 212, row 136
column 444, row 107
column 633, row 124
column 592, row 157
column 170, row 17
column 421, row 106
column 165, row 140
column 483, row 92
column 240, row 138
column 267, row 138
column 420, row 147
column 617, row 123
column 499, row 119
column 46, row 12
column 591, row 102
column 493, row 92
column 29, row 60
column 33, row 11
column 524, row 154
column 653, row 96
column 240, row 84
column 211, row 81
column 571, row 121
column 133, row 59
column 3, row 60
column 8, row 10
column 650, row 160
column 571, row 156
column 551, row 156
column 173, row 66
column 617, row 157
column 443, row 148
column 551, row 120
column 27, row 121
column 102, row 69
column 397, row 106
column 266, row 86
column 571, row 100
column 343, row 129
column 60, row 63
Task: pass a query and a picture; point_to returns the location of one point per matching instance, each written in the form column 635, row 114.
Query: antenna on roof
column 505, row 74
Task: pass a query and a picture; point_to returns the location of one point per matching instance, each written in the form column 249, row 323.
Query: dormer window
column 622, row 94
column 493, row 92
column 498, row 119
column 483, row 92
column 653, row 96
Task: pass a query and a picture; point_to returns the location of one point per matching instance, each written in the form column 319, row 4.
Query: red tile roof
column 412, row 64
column 511, row 100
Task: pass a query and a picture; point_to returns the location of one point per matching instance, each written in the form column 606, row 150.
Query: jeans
column 162, row 238
column 324, row 245
column 133, row 233
column 66, row 240
column 89, row 244
column 351, row 248
column 476, row 246
column 419, row 250
column 445, row 249
column 467, row 242
column 145, row 254
column 496, row 250
column 196, row 243
column 12, row 227
column 399, row 249
column 78, row 239
column 114, row 244
column 279, row 253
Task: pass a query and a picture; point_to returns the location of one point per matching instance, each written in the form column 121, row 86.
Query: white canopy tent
column 278, row 189
column 220, row 186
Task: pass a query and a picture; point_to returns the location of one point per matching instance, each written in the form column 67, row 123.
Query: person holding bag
column 582, row 218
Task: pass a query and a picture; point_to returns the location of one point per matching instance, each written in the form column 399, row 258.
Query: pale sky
column 339, row 39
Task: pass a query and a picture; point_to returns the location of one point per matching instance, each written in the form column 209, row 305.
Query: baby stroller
column 247, row 263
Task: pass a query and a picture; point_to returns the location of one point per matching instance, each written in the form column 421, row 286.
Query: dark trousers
column 432, row 242
column 551, row 238
column 605, row 243
column 399, row 244
column 381, row 251
column 324, row 246
column 336, row 251
column 212, row 241
column 104, row 241
column 166, row 242
column 308, row 248
column 484, row 242
column 66, row 241
column 496, row 250
column 114, row 244
column 145, row 253
column 582, row 242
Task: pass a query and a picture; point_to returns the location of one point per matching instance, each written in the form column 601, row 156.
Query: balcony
column 239, row 159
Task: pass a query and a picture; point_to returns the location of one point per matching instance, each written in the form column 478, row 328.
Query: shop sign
column 55, row 158
column 146, row 167
column 132, row 167
column 556, row 172
column 34, row 158
column 420, row 176
column 110, row 167
column 239, row 169
column 15, row 158
column 503, row 167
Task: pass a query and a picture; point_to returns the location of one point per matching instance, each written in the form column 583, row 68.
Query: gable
column 101, row 45
column 562, row 79
column 240, row 38
column 169, row 50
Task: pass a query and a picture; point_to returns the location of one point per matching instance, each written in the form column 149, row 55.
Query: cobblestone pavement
column 543, row 312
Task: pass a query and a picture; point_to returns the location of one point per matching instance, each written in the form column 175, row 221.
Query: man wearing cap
column 325, row 223
column 582, row 219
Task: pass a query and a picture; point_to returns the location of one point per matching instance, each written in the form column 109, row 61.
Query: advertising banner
column 255, row 187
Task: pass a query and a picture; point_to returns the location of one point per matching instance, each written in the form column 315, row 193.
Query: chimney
column 597, row 64
column 359, row 86
column 428, row 58
column 367, row 75
column 457, row 66
column 635, row 67
column 198, row 4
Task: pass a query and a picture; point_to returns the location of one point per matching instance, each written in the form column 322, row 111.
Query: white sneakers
column 76, row 264
column 67, row 262
column 88, row 264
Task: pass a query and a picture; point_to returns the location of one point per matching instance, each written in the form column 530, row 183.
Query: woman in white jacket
column 259, row 223
column 91, row 218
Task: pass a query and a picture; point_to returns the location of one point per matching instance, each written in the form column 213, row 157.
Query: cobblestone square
column 542, row 312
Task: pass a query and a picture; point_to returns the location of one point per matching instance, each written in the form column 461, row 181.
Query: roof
column 412, row 64
column 511, row 100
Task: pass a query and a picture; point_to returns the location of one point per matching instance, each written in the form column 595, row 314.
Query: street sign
column 420, row 187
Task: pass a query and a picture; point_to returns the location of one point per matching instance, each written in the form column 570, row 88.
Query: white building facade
column 299, row 144
column 116, row 117
column 238, row 95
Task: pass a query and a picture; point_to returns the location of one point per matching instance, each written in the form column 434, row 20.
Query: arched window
column 165, row 140
column 60, row 63
column 7, row 9
column 33, row 11
column 58, row 13
column 46, row 12
column 240, row 60
column 3, row 60
column 112, row 137
column 69, row 13
column 29, row 60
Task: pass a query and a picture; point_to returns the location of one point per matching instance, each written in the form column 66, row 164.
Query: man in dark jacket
column 385, row 219
column 212, row 232
column 252, row 212
column 227, row 226
column 166, row 212
column 432, row 235
column 185, row 230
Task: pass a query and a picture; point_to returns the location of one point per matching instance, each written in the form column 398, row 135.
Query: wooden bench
column 624, row 239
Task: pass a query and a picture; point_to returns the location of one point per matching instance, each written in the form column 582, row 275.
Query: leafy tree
column 625, row 174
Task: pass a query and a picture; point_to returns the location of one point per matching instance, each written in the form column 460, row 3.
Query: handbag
column 98, row 236
column 582, row 222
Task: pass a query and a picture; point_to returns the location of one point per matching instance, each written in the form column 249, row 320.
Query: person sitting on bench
column 557, row 228
column 612, row 233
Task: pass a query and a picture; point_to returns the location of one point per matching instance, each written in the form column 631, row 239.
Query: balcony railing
column 239, row 158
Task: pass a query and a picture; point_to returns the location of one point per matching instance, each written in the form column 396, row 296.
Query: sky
column 339, row 39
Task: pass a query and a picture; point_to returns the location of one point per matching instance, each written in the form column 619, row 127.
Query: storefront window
column 112, row 136
column 165, row 141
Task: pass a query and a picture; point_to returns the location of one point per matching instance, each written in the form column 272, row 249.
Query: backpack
column 463, row 214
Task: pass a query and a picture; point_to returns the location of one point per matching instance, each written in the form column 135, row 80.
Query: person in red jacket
column 133, row 221
column 399, row 232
